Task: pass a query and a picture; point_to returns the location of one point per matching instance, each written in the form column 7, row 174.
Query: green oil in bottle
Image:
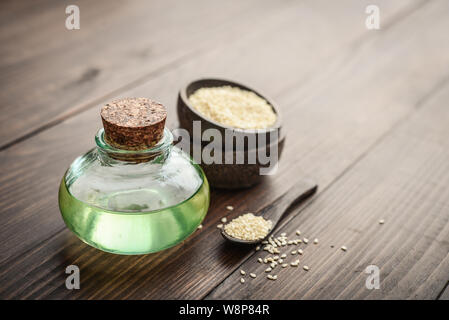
column 132, row 230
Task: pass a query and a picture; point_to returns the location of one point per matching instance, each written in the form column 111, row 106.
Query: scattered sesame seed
column 381, row 221
column 224, row 219
column 200, row 226
column 298, row 232
column 230, row 208
column 219, row 226
column 275, row 257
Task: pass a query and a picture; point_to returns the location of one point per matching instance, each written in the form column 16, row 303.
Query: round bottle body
column 127, row 208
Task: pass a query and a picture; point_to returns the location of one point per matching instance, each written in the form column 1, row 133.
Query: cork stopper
column 133, row 123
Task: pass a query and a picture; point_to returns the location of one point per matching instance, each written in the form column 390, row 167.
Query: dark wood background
column 366, row 114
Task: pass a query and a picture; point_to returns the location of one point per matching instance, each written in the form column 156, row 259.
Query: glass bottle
column 135, row 193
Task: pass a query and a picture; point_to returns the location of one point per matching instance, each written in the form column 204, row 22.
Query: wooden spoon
column 279, row 207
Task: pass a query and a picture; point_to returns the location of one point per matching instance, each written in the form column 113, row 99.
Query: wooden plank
column 115, row 55
column 80, row 140
column 27, row 222
column 195, row 266
column 47, row 72
column 402, row 180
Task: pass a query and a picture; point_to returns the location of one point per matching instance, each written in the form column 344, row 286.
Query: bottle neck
column 157, row 154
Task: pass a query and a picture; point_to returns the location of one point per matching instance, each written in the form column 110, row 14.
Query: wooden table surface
column 366, row 114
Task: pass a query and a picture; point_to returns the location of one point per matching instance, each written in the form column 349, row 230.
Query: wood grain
column 339, row 99
column 48, row 167
column 45, row 173
column 121, row 45
column 118, row 45
column 22, row 225
column 403, row 180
